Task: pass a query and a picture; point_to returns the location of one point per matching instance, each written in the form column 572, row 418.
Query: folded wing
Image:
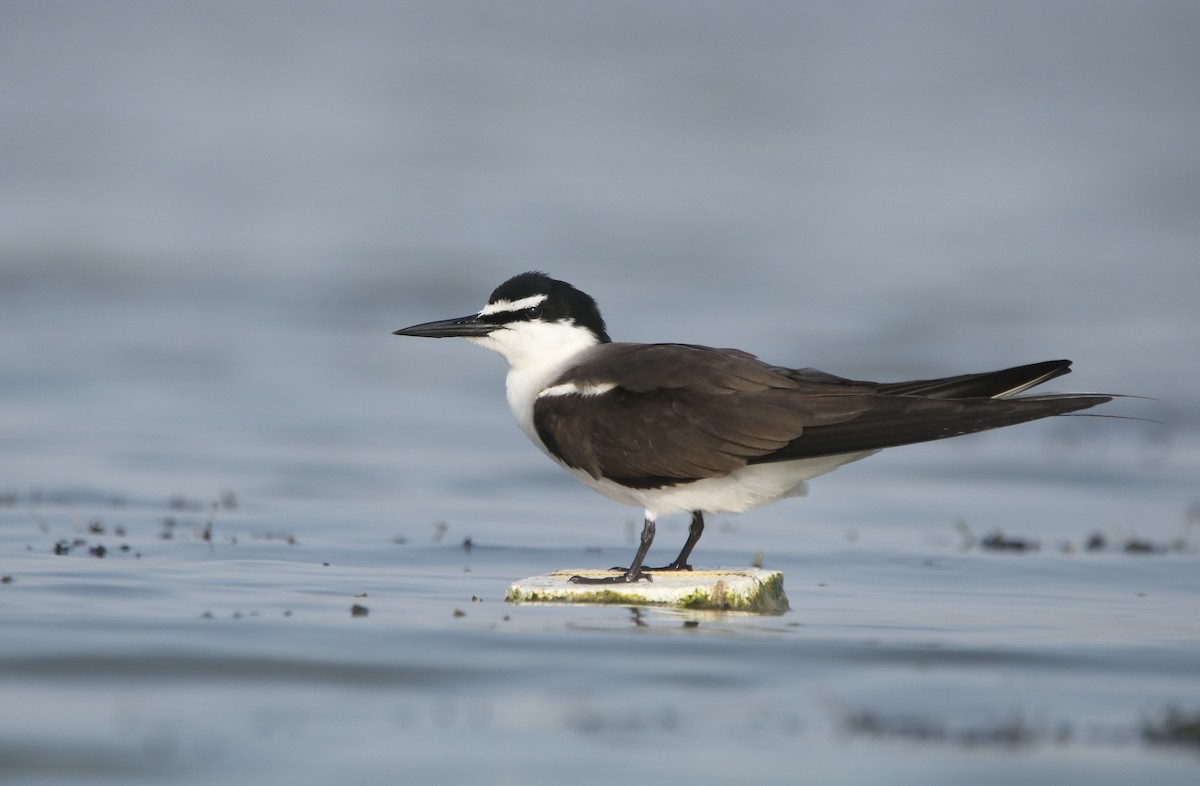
column 648, row 415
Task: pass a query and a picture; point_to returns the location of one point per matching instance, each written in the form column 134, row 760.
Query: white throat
column 537, row 353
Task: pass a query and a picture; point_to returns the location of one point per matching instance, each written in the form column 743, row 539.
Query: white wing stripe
column 573, row 389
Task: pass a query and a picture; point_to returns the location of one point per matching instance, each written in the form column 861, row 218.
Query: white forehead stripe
column 512, row 305
column 575, row 389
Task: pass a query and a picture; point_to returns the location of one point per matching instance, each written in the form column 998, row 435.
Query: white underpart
column 737, row 492
column 537, row 353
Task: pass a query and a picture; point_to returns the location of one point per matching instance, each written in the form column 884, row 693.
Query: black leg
column 634, row 572
column 695, row 530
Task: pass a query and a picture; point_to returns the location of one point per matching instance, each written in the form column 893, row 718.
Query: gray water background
column 212, row 215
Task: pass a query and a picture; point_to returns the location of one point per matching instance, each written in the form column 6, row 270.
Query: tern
column 675, row 428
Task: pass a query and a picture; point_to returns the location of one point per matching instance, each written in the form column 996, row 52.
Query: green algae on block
column 716, row 589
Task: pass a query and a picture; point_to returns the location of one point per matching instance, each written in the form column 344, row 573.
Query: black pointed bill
column 470, row 326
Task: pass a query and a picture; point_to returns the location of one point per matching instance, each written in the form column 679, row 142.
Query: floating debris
column 207, row 532
column 358, row 611
column 181, row 502
column 1014, row 733
column 998, row 541
column 1176, row 727
column 715, row 589
column 1140, row 546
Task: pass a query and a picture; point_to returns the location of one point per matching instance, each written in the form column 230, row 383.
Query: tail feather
column 991, row 384
column 903, row 413
column 906, row 420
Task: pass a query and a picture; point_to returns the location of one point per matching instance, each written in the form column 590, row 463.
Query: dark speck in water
column 1176, row 727
column 1140, row 546
column 998, row 541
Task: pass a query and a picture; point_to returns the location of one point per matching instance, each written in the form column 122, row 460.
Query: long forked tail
column 905, row 413
column 990, row 384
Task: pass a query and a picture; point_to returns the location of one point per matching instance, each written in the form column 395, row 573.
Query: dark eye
column 534, row 312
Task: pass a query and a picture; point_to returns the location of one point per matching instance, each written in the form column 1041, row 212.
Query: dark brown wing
column 682, row 412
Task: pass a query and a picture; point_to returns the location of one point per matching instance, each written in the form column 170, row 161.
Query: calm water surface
column 213, row 215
